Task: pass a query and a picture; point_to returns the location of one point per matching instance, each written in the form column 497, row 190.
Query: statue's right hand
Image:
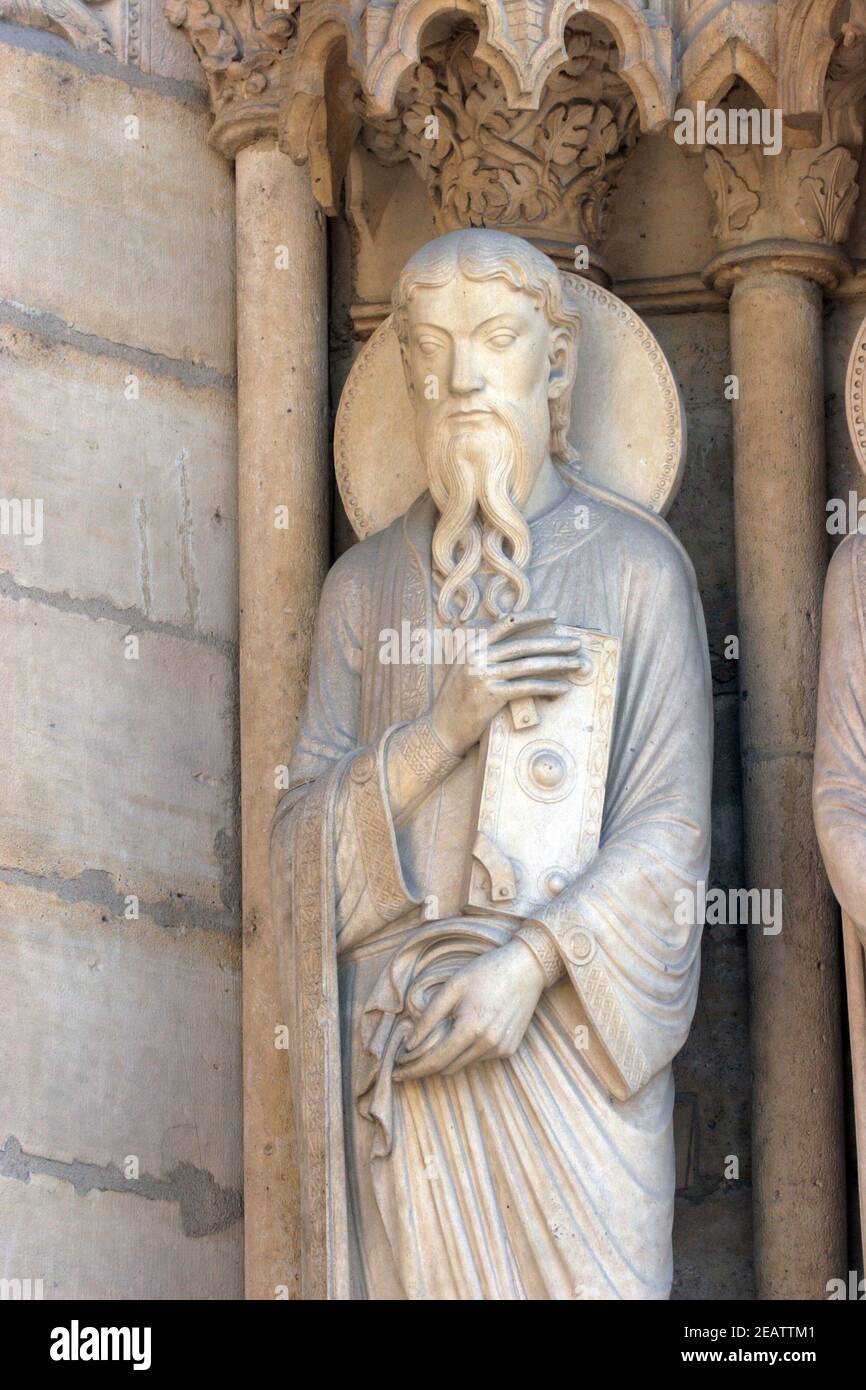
column 507, row 661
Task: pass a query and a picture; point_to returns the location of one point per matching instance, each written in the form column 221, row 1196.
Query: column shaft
column 798, row 1161
column 282, row 420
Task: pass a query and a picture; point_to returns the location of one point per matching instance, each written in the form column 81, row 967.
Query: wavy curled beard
column 475, row 480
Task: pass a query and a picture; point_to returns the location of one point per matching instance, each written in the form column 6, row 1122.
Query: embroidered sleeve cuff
column 623, row 1065
column 367, row 781
column 544, row 951
column 419, row 747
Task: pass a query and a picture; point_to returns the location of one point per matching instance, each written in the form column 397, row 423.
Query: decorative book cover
column 542, row 775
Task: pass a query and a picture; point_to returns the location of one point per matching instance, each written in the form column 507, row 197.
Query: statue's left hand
column 490, row 1002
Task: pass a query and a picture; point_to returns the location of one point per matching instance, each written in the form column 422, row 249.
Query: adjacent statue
column 498, row 815
column 839, row 790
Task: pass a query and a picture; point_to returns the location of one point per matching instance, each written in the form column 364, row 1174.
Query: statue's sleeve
column 369, row 886
column 335, row 870
column 625, row 931
column 839, row 789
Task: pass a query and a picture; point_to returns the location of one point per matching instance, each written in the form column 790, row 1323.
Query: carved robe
column 839, row 790
column 840, row 751
column 549, row 1174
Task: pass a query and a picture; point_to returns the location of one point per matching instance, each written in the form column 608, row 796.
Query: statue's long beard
column 477, row 481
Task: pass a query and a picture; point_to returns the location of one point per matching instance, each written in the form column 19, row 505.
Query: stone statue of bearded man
column 484, row 1104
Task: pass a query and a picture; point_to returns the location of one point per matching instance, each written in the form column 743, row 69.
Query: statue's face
column 477, row 349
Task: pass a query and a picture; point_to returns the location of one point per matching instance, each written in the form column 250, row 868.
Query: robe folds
column 839, row 793
column 548, row 1174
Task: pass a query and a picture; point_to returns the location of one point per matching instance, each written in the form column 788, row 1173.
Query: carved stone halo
column 855, row 405
column 627, row 418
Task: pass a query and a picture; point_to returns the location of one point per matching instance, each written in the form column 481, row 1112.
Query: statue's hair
column 480, row 253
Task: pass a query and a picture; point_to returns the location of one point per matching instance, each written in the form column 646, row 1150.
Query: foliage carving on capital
column 802, row 195
column 487, row 164
column 240, row 44
column 735, row 200
column 521, row 43
column 828, row 194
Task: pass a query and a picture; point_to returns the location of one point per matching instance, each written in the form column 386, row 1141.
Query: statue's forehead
column 467, row 299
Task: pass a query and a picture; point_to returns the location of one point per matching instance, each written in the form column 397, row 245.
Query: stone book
column 542, row 775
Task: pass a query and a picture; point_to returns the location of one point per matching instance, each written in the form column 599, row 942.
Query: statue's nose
column 465, row 375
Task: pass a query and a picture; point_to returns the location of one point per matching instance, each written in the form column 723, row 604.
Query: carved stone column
column 284, row 544
column 779, row 493
column 781, row 220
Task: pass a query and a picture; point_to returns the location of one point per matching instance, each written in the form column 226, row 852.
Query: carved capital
column 802, row 196
column 545, row 173
column 521, row 49
column 240, row 44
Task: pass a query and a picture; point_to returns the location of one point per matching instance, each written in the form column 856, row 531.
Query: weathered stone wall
column 120, row 1120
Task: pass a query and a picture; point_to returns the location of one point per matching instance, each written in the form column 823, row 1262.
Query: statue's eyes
column 501, row 340
column 428, row 346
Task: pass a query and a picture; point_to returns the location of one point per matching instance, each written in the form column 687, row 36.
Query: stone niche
column 141, row 286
